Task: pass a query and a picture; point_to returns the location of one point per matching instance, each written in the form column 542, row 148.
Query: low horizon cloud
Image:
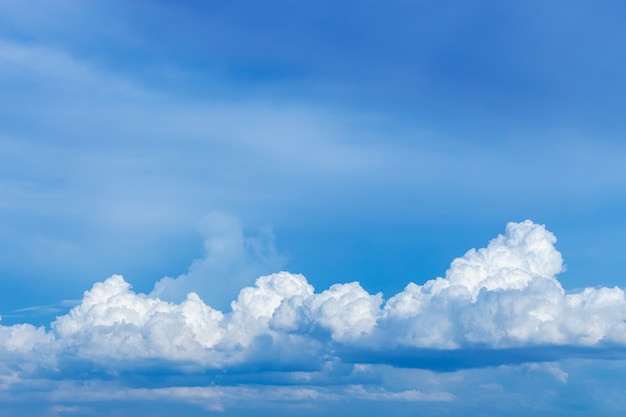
column 499, row 309
column 505, row 297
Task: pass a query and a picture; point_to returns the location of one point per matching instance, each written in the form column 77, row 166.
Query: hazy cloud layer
column 232, row 260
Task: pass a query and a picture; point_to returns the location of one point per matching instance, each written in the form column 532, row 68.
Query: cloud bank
column 280, row 342
column 502, row 297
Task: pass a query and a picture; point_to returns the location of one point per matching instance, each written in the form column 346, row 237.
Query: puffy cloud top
column 502, row 296
column 113, row 321
column 510, row 261
column 506, row 295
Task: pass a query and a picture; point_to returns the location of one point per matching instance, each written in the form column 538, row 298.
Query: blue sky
column 365, row 148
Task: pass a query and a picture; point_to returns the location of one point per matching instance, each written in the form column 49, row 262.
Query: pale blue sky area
column 197, row 145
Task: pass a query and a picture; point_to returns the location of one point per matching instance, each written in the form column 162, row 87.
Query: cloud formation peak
column 506, row 295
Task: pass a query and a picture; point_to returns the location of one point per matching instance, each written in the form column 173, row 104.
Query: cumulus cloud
column 114, row 322
column 232, row 261
column 506, row 295
column 495, row 305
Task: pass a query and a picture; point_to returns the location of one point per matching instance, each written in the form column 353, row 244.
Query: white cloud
column 114, row 322
column 410, row 395
column 346, row 310
column 505, row 296
column 256, row 306
column 552, row 368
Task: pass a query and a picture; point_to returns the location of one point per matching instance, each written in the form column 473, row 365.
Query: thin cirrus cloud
column 503, row 301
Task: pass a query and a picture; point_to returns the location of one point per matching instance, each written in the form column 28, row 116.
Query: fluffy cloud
column 504, row 296
column 347, row 311
column 113, row 321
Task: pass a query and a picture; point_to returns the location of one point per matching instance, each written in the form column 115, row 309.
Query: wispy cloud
column 232, row 261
